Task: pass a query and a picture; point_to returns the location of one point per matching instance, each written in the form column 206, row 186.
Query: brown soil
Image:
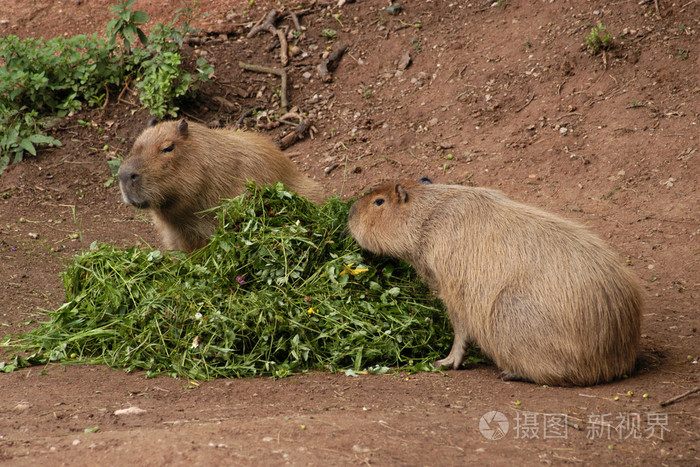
column 510, row 90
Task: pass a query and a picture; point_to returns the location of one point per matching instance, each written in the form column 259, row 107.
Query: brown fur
column 177, row 170
column 544, row 298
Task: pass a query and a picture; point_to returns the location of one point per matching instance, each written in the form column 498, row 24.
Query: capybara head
column 148, row 177
column 385, row 220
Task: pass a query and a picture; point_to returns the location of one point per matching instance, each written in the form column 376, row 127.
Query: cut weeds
column 282, row 288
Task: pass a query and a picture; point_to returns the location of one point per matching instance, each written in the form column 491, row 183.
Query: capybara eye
column 168, row 149
column 379, row 201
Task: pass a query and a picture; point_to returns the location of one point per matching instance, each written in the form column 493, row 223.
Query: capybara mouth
column 138, row 204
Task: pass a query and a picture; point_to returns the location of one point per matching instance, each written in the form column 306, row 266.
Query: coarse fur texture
column 178, row 169
column 544, row 298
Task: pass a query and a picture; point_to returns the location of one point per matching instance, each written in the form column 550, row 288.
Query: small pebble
column 393, row 9
column 130, row 411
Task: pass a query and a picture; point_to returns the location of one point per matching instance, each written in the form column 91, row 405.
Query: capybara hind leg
column 456, row 356
column 510, row 376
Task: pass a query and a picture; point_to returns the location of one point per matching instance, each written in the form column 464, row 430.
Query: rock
column 21, row 407
column 393, row 9
column 130, row 411
column 404, row 61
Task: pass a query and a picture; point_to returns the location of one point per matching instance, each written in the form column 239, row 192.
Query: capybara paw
column 448, row 362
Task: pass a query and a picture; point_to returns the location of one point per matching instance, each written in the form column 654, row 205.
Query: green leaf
column 139, row 17
column 27, row 146
column 142, row 37
column 44, row 139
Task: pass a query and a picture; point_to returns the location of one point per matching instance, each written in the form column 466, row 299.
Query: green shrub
column 161, row 80
column 55, row 76
column 60, row 75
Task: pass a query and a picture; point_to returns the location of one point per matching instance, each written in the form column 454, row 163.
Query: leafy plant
column 20, row 135
column 126, row 25
column 55, row 75
column 162, row 81
column 48, row 77
column 60, row 75
column 598, row 39
column 280, row 289
column 329, row 33
column 682, row 54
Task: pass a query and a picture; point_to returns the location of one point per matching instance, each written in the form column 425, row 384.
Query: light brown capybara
column 544, row 298
column 178, row 169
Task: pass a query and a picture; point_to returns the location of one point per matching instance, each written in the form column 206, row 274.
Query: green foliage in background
column 598, row 39
column 41, row 78
column 125, row 24
column 281, row 288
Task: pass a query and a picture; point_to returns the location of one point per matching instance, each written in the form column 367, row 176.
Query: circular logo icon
column 493, row 425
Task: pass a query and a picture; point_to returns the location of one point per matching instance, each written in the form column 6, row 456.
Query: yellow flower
column 310, row 311
column 347, row 270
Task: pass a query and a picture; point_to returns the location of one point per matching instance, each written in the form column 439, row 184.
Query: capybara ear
column 425, row 180
column 182, row 128
column 401, row 194
column 153, row 121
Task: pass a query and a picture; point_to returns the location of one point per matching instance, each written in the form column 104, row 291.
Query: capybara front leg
column 456, row 356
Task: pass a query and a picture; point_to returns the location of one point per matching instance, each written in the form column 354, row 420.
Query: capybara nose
column 128, row 177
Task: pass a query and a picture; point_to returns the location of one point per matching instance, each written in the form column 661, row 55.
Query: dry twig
column 530, row 99
column 682, row 396
column 230, row 106
column 268, row 24
column 275, row 71
column 295, row 135
column 243, row 116
column 329, row 64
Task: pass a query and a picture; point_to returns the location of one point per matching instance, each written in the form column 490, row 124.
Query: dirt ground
column 510, row 91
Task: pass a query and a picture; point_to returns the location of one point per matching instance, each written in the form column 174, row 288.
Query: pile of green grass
column 282, row 288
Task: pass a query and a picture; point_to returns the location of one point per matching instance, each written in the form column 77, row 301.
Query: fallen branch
column 268, row 24
column 230, row 106
column 530, row 99
column 329, row 64
column 243, row 116
column 104, row 106
column 682, row 396
column 275, row 71
column 268, row 21
column 295, row 135
column 295, row 20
